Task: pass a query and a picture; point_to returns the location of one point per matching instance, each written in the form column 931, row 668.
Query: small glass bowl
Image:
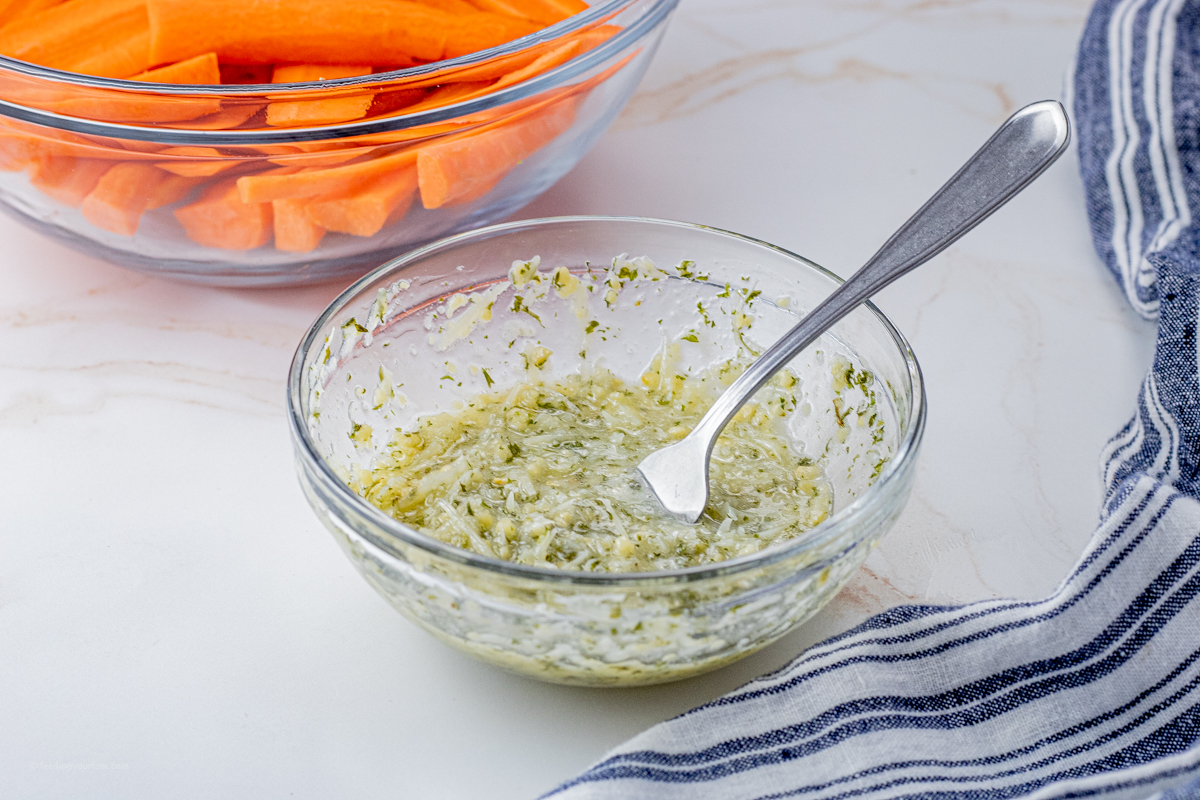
column 179, row 149
column 595, row 629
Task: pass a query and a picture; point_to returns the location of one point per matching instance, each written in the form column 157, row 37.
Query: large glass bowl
column 593, row 628
column 180, row 149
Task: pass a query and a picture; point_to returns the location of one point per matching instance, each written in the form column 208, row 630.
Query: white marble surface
column 173, row 620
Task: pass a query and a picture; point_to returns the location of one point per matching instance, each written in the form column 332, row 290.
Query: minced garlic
column 543, row 473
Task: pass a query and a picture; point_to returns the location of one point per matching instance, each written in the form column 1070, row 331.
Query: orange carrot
column 317, row 31
column 453, row 6
column 169, row 191
column 311, row 183
column 546, row 12
column 295, row 113
column 18, row 150
column 544, row 63
column 20, row 147
column 121, row 195
column 230, row 116
column 295, row 230
column 220, row 219
column 391, row 100
column 308, row 73
column 319, row 159
column 462, row 166
column 365, row 211
column 478, row 122
column 449, row 95
column 12, row 9
column 207, row 161
column 202, row 69
column 482, row 30
column 68, row 180
column 498, row 67
column 109, row 38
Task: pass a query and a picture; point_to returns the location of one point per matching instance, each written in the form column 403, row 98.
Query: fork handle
column 1024, row 146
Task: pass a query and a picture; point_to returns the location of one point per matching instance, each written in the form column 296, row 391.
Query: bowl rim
column 830, row 529
column 655, row 13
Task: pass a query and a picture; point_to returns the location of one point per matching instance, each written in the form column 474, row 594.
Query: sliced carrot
column 448, row 171
column 365, row 212
column 132, row 107
column 195, row 162
column 171, row 190
column 21, row 147
column 311, row 183
column 68, row 180
column 121, row 195
column 482, row 30
column 308, row 73
column 390, row 100
column 230, row 116
column 316, row 31
column 544, row 63
column 295, row 113
column 453, row 6
column 220, row 219
column 18, row 151
column 295, row 230
column 546, row 12
column 109, row 38
column 449, row 95
column 478, row 122
column 319, row 159
column 12, row 9
column 203, row 69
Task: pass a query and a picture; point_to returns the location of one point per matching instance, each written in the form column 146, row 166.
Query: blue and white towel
column 1094, row 690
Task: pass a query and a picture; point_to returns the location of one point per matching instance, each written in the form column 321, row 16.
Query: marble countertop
column 174, row 620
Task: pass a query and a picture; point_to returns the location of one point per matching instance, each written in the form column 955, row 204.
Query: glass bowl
column 261, row 185
column 393, row 347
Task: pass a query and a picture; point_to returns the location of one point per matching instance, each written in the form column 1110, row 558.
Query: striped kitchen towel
column 1094, row 690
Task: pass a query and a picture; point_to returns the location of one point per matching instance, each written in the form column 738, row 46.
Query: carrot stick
column 230, row 116
column 546, row 12
column 308, row 73
column 294, row 113
column 17, row 151
column 295, row 231
column 453, row 6
column 365, row 212
column 495, row 68
column 220, row 219
column 208, row 161
column 109, row 38
column 132, row 107
column 478, row 122
column 448, row 171
column 319, row 159
column 171, row 190
column 544, row 63
column 311, row 183
column 68, row 180
column 482, row 30
column 12, row 9
column 202, row 69
column 449, row 95
column 121, row 195
column 21, row 147
column 317, row 31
